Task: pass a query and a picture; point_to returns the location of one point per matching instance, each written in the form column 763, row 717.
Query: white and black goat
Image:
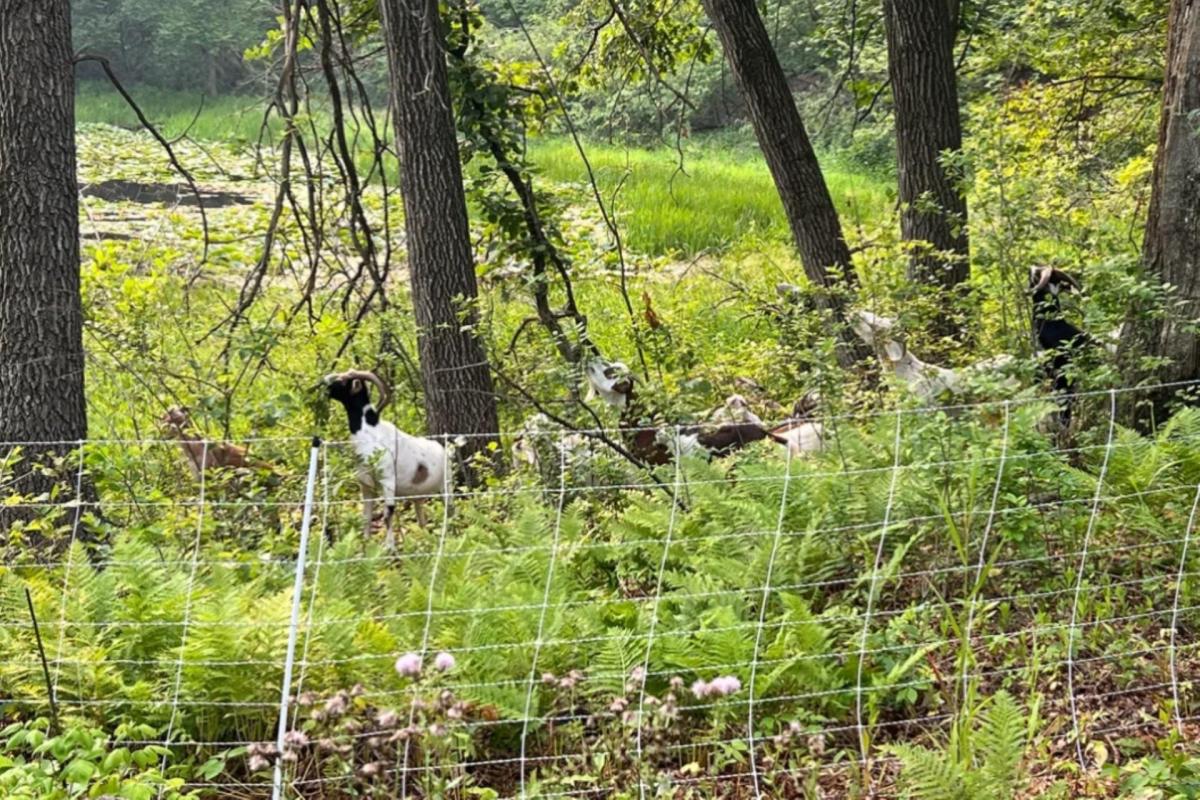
column 801, row 432
column 650, row 441
column 394, row 465
column 928, row 382
column 1059, row 339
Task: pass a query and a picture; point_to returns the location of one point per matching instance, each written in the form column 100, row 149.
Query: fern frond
column 929, row 775
column 1000, row 745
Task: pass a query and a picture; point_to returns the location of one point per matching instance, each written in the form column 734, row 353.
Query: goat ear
column 894, row 350
column 356, row 386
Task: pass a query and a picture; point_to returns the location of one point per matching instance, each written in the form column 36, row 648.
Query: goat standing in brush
column 1062, row 340
column 200, row 455
column 394, row 464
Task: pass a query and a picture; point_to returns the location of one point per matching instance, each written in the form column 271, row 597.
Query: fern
column 1000, row 745
column 988, row 769
column 929, row 775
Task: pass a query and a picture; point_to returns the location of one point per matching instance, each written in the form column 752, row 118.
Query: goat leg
column 390, row 538
column 419, row 507
column 367, row 484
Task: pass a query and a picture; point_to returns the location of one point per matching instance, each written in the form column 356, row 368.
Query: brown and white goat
column 200, row 457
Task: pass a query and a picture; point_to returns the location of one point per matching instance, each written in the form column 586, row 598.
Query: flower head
column 409, row 665
column 336, row 705
column 725, row 685
column 717, row 687
column 444, row 662
column 295, row 739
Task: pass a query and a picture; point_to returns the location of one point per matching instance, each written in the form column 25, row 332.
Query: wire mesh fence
column 749, row 627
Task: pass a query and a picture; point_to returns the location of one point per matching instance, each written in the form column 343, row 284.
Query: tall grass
column 721, row 194
column 228, row 118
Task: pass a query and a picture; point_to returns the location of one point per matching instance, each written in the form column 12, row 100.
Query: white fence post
column 297, row 589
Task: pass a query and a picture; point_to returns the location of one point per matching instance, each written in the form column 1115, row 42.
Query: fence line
column 1131, row 607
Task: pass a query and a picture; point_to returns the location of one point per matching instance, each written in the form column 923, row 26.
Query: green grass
column 229, row 118
column 723, row 195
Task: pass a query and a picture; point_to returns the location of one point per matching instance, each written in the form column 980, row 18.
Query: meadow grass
column 227, row 118
column 722, row 194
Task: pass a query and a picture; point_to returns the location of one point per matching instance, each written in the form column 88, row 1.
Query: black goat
column 1054, row 334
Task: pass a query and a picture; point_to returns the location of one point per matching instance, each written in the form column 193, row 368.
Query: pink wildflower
column 444, row 662
column 725, row 685
column 409, row 665
column 295, row 739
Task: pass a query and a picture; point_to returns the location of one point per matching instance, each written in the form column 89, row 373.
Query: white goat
column 394, row 464
column 927, row 381
column 572, row 448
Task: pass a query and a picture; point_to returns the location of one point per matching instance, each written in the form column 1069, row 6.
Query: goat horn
column 1047, row 273
column 385, row 396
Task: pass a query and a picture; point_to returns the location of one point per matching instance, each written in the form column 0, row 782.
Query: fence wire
column 569, row 630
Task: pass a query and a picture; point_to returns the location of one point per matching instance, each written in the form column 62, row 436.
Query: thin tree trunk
column 41, row 320
column 790, row 157
column 920, row 40
column 1171, row 247
column 459, row 397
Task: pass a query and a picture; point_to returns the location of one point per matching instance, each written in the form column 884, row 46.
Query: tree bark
column 920, row 41
column 1171, row 247
column 41, row 319
column 790, row 157
column 459, row 396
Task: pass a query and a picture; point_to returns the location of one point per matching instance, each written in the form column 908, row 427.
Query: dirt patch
column 122, row 191
column 111, row 236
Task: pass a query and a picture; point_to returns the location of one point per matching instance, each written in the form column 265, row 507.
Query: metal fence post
column 297, row 590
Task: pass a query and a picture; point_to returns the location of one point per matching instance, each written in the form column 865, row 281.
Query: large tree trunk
column 41, row 320
column 920, row 40
column 1171, row 247
column 459, row 397
column 790, row 157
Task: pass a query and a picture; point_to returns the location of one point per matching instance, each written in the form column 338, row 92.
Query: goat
column 531, row 446
column 927, row 381
column 1055, row 335
column 408, row 467
column 800, row 432
column 614, row 383
column 199, row 456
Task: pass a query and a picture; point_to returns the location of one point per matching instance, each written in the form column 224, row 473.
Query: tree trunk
column 459, row 397
column 1171, row 247
column 790, row 157
column 920, row 41
column 41, row 320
